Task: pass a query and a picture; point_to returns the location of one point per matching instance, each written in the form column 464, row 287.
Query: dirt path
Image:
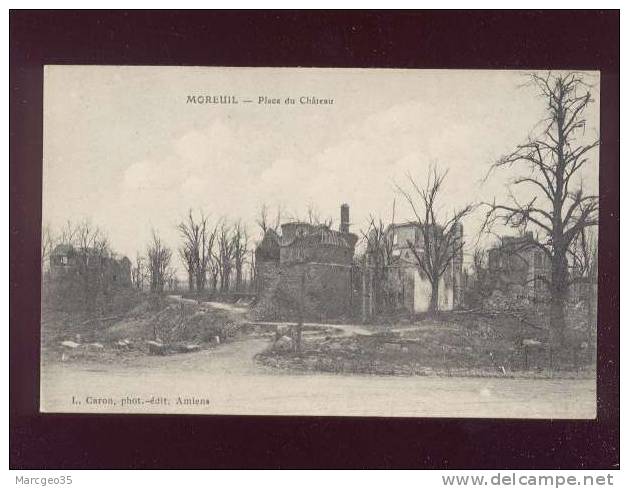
column 237, row 310
column 233, row 383
column 240, row 311
column 340, row 329
column 229, row 381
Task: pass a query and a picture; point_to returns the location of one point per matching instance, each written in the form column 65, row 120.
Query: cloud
column 168, row 158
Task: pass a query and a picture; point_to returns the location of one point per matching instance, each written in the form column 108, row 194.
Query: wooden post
column 364, row 289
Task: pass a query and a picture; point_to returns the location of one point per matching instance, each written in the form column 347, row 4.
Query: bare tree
column 171, row 279
column 67, row 233
column 240, row 244
column 196, row 250
column 314, row 217
column 189, row 251
column 252, row 270
column 265, row 222
column 379, row 249
column 583, row 252
column 138, row 272
column 440, row 236
column 208, row 237
column 48, row 243
column 92, row 247
column 560, row 208
column 225, row 256
column 159, row 257
column 214, row 271
column 87, row 285
column 187, row 256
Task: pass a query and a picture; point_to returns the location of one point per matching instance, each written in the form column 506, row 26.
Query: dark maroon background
column 454, row 39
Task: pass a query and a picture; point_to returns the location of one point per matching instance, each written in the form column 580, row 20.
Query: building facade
column 306, row 271
column 518, row 267
column 405, row 284
column 67, row 263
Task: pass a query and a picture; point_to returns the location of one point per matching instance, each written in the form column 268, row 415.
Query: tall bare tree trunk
column 558, row 296
column 550, row 161
column 434, row 296
column 190, row 282
column 238, row 278
column 200, row 284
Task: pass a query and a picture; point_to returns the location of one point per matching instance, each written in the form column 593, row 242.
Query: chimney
column 344, row 226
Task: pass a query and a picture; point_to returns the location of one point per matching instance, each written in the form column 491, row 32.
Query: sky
column 124, row 149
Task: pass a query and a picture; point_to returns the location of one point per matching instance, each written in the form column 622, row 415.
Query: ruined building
column 518, row 265
column 67, row 263
column 85, row 279
column 306, row 271
column 405, row 285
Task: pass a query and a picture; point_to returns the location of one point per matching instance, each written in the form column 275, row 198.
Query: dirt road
column 232, row 383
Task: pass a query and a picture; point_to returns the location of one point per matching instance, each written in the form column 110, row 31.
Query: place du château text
column 260, row 100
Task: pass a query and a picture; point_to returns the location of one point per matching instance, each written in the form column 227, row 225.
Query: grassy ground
column 455, row 343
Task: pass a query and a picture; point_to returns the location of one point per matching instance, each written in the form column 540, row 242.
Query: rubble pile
column 146, row 329
column 499, row 301
column 473, row 343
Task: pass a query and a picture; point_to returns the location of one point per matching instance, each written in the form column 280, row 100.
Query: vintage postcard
column 327, row 242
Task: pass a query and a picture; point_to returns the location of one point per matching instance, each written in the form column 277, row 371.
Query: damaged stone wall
column 267, row 283
column 323, row 290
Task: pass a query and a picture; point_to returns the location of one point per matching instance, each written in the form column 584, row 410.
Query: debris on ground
column 156, row 348
column 453, row 344
column 150, row 327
